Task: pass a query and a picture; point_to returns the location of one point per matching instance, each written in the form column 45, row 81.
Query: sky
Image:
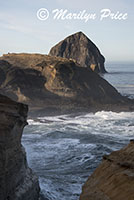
column 22, row 31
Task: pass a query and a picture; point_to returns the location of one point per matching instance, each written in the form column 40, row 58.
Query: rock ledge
column 114, row 178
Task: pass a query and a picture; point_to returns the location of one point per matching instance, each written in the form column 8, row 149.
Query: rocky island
column 17, row 181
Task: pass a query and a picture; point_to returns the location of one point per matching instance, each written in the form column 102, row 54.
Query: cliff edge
column 114, row 178
column 17, row 181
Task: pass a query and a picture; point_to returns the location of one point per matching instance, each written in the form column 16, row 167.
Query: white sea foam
column 114, row 115
column 61, row 149
column 112, row 122
column 33, row 122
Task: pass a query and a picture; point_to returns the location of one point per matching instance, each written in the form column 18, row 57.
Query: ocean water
column 64, row 150
column 121, row 76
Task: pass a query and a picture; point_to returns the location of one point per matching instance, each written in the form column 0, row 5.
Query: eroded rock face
column 53, row 82
column 17, row 181
column 113, row 179
column 81, row 49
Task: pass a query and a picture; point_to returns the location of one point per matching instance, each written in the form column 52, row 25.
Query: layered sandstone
column 114, row 178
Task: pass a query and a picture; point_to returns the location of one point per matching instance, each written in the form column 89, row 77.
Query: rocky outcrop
column 81, row 49
column 17, row 181
column 114, row 178
column 45, row 82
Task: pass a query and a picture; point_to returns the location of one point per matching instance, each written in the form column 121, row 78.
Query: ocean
column 64, row 150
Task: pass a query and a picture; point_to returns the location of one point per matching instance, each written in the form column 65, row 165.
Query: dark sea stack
column 113, row 179
column 17, row 181
column 81, row 49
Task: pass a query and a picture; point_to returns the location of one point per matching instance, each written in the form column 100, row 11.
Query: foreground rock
column 57, row 84
column 17, row 181
column 113, row 179
column 81, row 49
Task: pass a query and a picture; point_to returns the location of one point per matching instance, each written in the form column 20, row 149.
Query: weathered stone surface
column 113, row 179
column 17, row 181
column 81, row 49
column 54, row 83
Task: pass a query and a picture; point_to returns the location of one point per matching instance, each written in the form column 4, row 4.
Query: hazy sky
column 22, row 31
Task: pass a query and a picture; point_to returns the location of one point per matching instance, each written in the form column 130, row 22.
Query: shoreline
column 53, row 111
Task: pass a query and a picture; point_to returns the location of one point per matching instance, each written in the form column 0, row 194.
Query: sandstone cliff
column 81, row 49
column 17, row 181
column 57, row 83
column 113, row 179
